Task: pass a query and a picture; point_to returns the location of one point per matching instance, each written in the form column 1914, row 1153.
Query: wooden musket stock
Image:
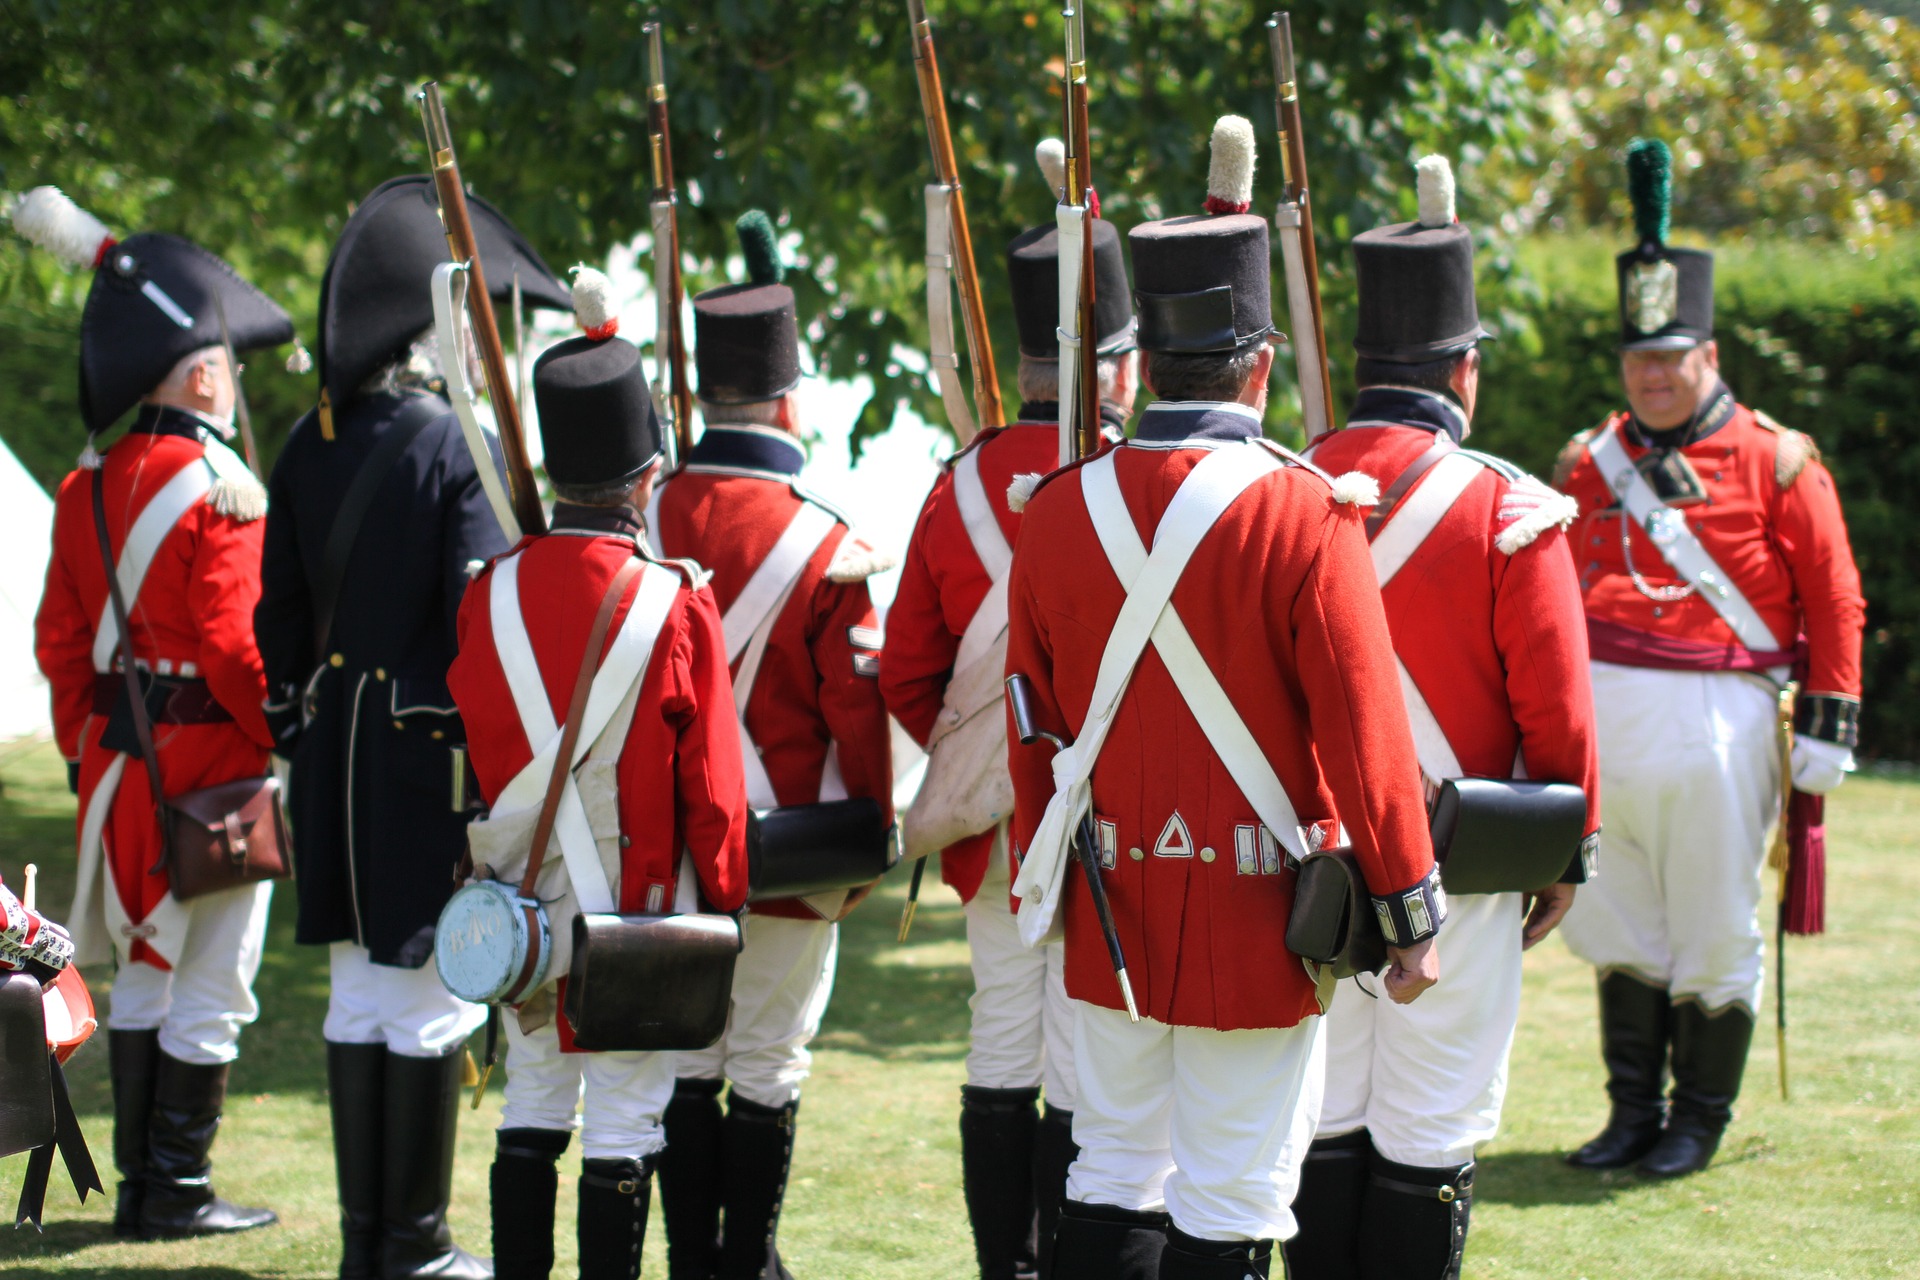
column 1081, row 192
column 661, row 141
column 1293, row 169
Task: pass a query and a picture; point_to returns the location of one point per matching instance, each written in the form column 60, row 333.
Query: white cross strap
column 1421, row 512
column 772, row 582
column 996, row 557
column 1677, row 543
column 156, row 520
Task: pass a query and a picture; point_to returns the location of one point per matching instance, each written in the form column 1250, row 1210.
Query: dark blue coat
column 367, row 721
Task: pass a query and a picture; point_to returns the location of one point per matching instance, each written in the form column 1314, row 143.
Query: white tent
column 26, row 524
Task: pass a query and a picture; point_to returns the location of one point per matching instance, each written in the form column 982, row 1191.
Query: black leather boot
column 1634, row 1027
column 759, row 1155
column 187, row 1101
column 691, row 1172
column 422, row 1119
column 132, row 1057
column 1709, row 1057
column 523, row 1186
column 997, row 1151
column 1054, row 1152
column 1414, row 1223
column 1191, row 1258
column 614, row 1196
column 1104, row 1242
column 356, row 1094
column 1333, row 1189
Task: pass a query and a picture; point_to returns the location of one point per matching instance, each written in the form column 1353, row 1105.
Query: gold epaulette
column 1570, row 456
column 1794, row 451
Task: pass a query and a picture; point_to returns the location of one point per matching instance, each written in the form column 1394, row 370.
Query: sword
column 1780, row 859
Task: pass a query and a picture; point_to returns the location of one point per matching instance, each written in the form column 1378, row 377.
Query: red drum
column 70, row 1017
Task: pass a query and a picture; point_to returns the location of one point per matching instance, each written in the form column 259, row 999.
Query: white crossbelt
column 624, row 666
column 1676, row 541
column 989, row 620
column 1149, row 579
column 156, row 520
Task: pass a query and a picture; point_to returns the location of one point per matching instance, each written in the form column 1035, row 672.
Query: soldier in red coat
column 1492, row 645
column 183, row 527
column 789, row 579
column 1715, row 565
column 1231, row 702
column 660, row 786
column 948, row 615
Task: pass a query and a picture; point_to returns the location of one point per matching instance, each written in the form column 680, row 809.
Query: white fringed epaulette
column 1356, row 488
column 91, row 459
column 1547, row 509
column 1020, row 491
column 236, row 493
column 855, row 561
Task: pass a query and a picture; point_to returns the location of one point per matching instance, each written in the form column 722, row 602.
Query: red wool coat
column 1494, row 639
column 817, row 691
column 942, row 582
column 193, row 615
column 1280, row 601
column 679, row 773
column 1771, row 521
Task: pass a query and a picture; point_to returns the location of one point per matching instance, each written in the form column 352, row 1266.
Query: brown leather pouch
column 226, row 836
column 1332, row 922
column 651, row 982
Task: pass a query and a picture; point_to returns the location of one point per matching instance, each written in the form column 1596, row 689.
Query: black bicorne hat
column 1666, row 294
column 746, row 338
column 1033, row 273
column 597, row 421
column 376, row 296
column 1416, row 280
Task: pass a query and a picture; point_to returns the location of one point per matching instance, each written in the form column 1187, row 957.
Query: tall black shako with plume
column 1666, row 294
column 1416, row 279
column 152, row 303
column 746, row 341
column 1033, row 274
column 597, row 421
column 1203, row 283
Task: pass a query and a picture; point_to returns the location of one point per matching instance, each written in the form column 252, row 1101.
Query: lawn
column 1819, row 1187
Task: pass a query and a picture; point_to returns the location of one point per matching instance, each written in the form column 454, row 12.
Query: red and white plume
column 49, row 219
column 1230, row 176
column 1052, row 157
column 593, row 303
column 1433, row 179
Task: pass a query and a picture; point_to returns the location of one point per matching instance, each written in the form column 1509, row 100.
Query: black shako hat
column 1033, row 274
column 1416, row 280
column 1204, row 283
column 597, row 421
column 1666, row 294
column 376, row 296
column 155, row 299
column 746, row 338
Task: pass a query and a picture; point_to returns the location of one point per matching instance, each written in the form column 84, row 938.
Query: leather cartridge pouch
column 26, row 1068
column 648, row 982
column 818, row 848
column 1332, row 921
column 1493, row 835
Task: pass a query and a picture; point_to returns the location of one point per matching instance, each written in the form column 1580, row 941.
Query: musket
column 1079, row 362
column 950, row 250
column 240, row 414
column 1780, row 858
column 1294, row 221
column 465, row 250
column 670, row 340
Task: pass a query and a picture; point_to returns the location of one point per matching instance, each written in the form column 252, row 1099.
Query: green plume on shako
column 759, row 247
column 746, row 342
column 1650, row 188
column 1666, row 294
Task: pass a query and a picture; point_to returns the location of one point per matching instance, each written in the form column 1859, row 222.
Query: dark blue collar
column 619, row 522
column 1045, row 412
column 1171, row 421
column 740, row 447
column 165, row 420
column 1408, row 407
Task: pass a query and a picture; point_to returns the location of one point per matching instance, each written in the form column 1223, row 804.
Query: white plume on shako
column 49, row 218
column 1230, row 172
column 1434, row 182
column 1051, row 155
column 593, row 303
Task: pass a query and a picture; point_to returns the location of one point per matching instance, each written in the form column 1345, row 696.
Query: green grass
column 1821, row 1187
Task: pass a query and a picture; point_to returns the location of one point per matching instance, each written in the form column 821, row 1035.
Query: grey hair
column 761, row 413
column 418, row 368
column 1208, row 376
column 183, row 369
column 1039, row 380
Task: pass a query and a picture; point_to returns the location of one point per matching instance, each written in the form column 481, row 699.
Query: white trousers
column 1427, row 1079
column 1209, row 1125
column 408, row 1010
column 1022, row 1019
column 782, row 981
column 1689, row 790
column 200, row 1004
column 625, row 1093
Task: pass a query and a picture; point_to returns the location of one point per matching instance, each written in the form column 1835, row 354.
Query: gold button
column 338, row 660
column 1135, row 854
column 1207, row 855
column 398, row 725
column 380, row 674
column 438, row 734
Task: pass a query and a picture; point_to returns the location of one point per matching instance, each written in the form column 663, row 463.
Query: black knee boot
column 422, row 1117
column 691, row 1172
column 1333, row 1187
column 1054, row 1152
column 614, row 1195
column 356, row 1094
column 1709, row 1057
column 132, row 1057
column 1414, row 1224
column 1190, row 1258
column 523, row 1185
column 1103, row 1242
column 759, row 1155
column 997, row 1151
column 187, row 1101
column 1634, row 1022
